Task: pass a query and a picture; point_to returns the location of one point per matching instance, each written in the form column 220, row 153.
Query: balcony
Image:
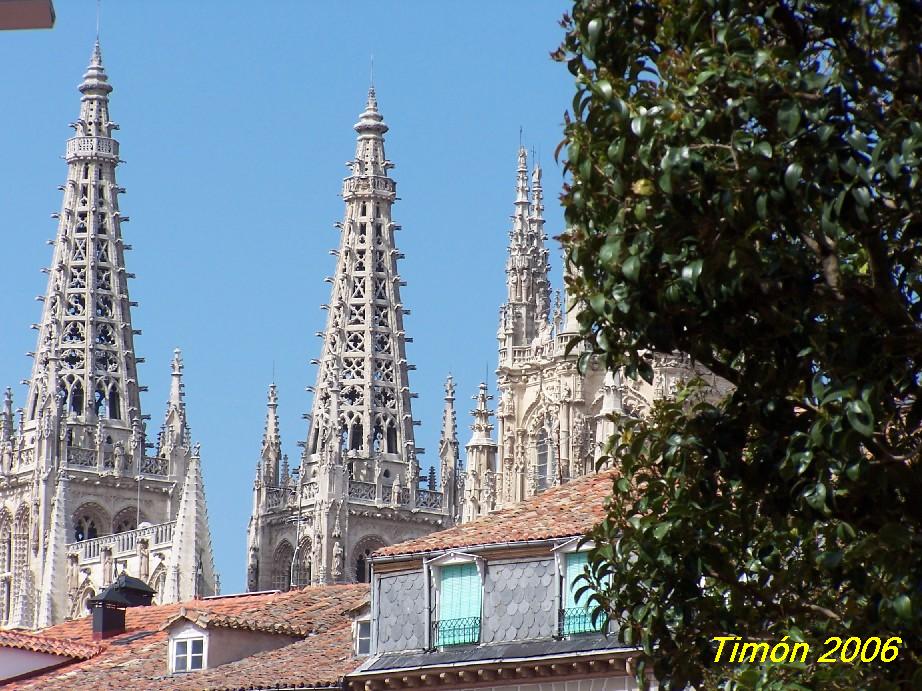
column 91, row 147
column 576, row 620
column 447, row 632
column 124, row 543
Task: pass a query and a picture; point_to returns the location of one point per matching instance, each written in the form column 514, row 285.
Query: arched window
column 301, row 565
column 391, row 437
column 115, row 406
column 6, row 565
column 20, row 548
column 85, row 528
column 281, row 566
column 76, row 398
column 362, row 554
column 355, row 436
column 542, row 447
column 90, row 521
column 125, row 520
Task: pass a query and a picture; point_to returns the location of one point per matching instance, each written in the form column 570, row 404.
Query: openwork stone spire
column 85, row 362
column 271, row 454
column 362, row 397
column 448, row 452
column 527, row 307
column 175, row 431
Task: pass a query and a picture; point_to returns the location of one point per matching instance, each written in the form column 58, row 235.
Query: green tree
column 744, row 188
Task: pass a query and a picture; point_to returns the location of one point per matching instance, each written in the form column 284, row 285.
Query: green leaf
column 631, row 268
column 637, row 125
column 792, row 176
column 816, row 497
column 762, row 206
column 660, row 530
column 902, row 605
column 763, row 149
column 605, row 89
column 860, row 417
column 789, row 117
column 692, row 270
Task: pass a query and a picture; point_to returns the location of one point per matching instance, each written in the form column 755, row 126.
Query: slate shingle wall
column 518, row 601
column 401, row 612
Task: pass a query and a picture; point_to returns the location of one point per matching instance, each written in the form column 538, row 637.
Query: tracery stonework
column 72, row 463
column 359, row 482
column 551, row 420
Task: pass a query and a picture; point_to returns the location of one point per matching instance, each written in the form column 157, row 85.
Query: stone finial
column 95, row 78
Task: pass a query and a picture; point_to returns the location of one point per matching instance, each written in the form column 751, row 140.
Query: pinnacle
column 95, row 77
column 371, row 121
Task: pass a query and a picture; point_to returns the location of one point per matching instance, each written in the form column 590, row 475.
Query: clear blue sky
column 236, row 121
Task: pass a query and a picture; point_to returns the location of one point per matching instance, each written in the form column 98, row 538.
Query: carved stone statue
column 338, row 558
column 120, row 458
column 144, row 559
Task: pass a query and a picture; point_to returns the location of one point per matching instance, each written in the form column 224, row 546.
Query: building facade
column 551, row 419
column 495, row 603
column 358, row 487
column 81, row 498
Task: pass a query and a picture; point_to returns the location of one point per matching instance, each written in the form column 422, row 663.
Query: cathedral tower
column 77, row 471
column 358, row 487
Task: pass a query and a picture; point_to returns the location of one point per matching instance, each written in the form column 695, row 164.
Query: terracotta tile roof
column 206, row 619
column 45, row 644
column 137, row 659
column 565, row 511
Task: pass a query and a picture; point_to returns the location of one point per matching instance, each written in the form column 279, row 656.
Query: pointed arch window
column 391, row 437
column 281, row 566
column 301, row 565
column 543, row 457
column 355, row 436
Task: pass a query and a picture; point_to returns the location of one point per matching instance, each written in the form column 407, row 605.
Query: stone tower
column 76, row 470
column 550, row 419
column 358, row 486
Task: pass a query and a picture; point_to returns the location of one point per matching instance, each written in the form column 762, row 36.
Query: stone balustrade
column 91, row 147
column 124, row 543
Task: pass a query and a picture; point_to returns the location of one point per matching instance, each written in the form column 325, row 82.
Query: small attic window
column 363, row 637
column 188, row 654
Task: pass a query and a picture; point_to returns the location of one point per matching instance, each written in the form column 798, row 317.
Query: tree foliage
column 745, row 188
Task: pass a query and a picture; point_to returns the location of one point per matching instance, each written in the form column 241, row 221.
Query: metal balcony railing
column 574, row 620
column 456, row 631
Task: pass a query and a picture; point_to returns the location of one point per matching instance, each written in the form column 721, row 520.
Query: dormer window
column 188, row 654
column 575, row 608
column 458, row 582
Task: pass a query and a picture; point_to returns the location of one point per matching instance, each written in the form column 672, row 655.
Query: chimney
column 109, row 607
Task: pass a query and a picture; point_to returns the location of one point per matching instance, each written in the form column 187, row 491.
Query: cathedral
column 82, row 498
column 359, row 486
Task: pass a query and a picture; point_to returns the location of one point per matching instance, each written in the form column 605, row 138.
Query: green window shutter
column 576, row 563
column 577, row 614
column 459, row 602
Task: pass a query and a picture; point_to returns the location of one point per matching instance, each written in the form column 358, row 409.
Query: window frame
column 358, row 637
column 188, row 639
column 433, row 581
column 562, row 554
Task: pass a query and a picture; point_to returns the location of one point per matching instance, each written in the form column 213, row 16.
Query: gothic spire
column 175, row 431
column 448, row 451
column 481, row 427
column 85, row 366
column 6, row 417
column 449, row 419
column 527, row 305
column 271, row 453
column 362, row 396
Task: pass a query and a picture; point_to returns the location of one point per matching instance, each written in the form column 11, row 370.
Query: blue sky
column 236, row 121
